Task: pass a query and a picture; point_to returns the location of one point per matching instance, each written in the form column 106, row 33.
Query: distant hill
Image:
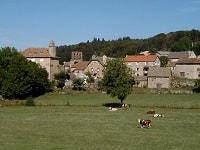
column 173, row 41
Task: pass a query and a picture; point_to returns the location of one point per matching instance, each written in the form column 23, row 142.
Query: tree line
column 173, row 41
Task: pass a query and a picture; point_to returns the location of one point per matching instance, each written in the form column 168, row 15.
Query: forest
column 172, row 41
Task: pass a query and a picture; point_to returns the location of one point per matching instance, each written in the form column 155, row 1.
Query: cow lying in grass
column 158, row 115
column 144, row 123
column 125, row 106
column 151, row 112
column 112, row 109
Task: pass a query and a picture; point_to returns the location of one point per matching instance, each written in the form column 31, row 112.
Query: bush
column 30, row 101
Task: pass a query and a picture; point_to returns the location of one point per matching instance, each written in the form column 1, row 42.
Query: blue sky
column 33, row 23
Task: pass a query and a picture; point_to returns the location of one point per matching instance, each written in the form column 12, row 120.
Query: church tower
column 52, row 48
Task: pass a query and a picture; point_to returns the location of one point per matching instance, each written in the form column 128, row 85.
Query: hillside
column 173, row 41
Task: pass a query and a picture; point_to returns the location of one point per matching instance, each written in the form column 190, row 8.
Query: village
column 146, row 67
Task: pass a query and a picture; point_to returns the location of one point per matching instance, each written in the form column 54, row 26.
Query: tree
column 78, row 84
column 197, row 86
column 60, row 77
column 21, row 78
column 163, row 61
column 117, row 80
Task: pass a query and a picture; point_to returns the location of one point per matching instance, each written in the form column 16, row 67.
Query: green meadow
column 83, row 122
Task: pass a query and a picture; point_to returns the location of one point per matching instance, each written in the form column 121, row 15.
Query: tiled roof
column 140, row 58
column 159, row 72
column 36, row 53
column 82, row 65
column 188, row 61
column 178, row 54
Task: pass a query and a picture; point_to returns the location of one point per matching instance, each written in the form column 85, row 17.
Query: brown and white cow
column 144, row 123
column 125, row 106
column 151, row 112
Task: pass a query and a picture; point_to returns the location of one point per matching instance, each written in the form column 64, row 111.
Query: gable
column 95, row 63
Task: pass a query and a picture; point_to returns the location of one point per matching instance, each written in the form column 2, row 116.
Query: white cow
column 112, row 109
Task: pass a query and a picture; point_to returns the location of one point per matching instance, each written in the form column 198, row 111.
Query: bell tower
column 52, row 48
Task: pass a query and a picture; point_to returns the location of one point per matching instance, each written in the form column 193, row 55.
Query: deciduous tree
column 117, row 79
column 21, row 78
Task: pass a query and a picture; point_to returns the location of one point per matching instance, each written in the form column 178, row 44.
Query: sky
column 33, row 23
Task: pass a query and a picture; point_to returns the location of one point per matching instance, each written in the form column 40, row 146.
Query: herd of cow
column 143, row 122
column 146, row 122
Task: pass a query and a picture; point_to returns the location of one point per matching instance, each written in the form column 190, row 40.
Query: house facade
column 45, row 57
column 95, row 68
column 139, row 64
column 188, row 68
column 159, row 77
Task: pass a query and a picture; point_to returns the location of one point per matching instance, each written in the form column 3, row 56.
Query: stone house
column 188, row 68
column 159, row 77
column 139, row 64
column 95, row 66
column 45, row 57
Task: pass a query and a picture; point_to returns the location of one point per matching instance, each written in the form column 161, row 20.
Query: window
column 182, row 74
column 137, row 69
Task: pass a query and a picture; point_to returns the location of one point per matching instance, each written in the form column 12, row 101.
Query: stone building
column 188, row 68
column 159, row 77
column 139, row 64
column 45, row 57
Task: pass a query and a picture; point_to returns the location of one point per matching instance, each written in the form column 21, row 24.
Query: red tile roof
column 36, row 53
column 140, row 58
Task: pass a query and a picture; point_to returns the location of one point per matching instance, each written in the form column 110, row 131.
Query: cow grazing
column 151, row 112
column 158, row 115
column 144, row 123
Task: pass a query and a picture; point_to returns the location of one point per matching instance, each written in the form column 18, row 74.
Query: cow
column 125, row 106
column 112, row 109
column 158, row 115
column 151, row 112
column 144, row 123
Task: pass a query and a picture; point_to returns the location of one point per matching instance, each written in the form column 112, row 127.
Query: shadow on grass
column 113, row 105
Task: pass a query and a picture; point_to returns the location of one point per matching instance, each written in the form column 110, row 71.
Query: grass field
column 81, row 122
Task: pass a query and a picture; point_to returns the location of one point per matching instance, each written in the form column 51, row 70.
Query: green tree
column 78, row 84
column 117, row 79
column 60, row 77
column 163, row 61
column 197, row 86
column 21, row 78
